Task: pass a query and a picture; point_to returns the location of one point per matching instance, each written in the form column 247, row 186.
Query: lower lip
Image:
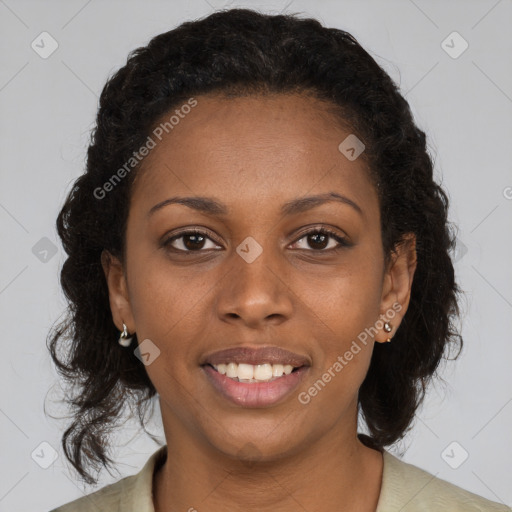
column 255, row 394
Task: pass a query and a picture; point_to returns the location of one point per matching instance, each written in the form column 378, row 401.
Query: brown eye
column 193, row 241
column 189, row 241
column 318, row 240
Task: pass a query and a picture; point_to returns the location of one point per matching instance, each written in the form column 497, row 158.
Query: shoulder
column 410, row 489
column 106, row 499
column 132, row 493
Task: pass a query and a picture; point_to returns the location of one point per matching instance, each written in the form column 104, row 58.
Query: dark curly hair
column 239, row 52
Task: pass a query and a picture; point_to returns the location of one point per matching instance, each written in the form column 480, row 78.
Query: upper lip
column 254, row 356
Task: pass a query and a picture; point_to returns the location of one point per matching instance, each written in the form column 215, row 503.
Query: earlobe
column 397, row 287
column 117, row 291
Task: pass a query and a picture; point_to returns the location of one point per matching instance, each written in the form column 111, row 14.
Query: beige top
column 405, row 488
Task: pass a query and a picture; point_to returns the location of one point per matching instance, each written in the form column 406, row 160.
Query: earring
column 124, row 340
column 388, row 328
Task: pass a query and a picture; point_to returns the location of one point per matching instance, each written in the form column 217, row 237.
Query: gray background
column 47, row 110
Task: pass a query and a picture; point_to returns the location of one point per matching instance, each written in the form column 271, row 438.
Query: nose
column 255, row 293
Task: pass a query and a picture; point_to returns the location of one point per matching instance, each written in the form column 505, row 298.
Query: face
column 256, row 265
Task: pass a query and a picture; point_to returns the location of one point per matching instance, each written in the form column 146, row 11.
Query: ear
column 397, row 284
column 118, row 292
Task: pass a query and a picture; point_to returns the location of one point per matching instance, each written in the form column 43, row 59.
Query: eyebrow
column 211, row 206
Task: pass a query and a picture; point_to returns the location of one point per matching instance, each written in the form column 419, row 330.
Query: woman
column 259, row 228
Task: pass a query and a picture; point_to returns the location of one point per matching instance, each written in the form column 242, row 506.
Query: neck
column 339, row 468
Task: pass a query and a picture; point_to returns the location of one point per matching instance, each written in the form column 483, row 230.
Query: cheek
column 165, row 305
column 343, row 355
column 347, row 298
column 166, row 311
column 342, row 314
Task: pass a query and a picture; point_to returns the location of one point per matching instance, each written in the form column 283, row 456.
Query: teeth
column 277, row 370
column 232, row 370
column 245, row 371
column 253, row 373
column 263, row 372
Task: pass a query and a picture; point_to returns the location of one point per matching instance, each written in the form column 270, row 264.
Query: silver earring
column 124, row 339
column 388, row 328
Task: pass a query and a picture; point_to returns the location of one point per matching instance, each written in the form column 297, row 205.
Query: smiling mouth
column 249, row 373
column 257, row 385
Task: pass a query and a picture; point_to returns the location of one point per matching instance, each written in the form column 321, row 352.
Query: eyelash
column 315, row 231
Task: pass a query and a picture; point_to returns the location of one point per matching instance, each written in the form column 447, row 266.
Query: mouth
column 255, row 377
column 250, row 373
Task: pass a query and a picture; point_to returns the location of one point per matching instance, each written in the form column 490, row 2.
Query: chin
column 254, row 442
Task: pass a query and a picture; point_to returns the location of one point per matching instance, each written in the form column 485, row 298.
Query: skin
column 254, row 154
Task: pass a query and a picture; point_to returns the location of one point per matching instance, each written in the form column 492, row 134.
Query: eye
column 194, row 240
column 318, row 237
column 190, row 241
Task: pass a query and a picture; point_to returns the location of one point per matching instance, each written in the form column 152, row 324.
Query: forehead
column 252, row 149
